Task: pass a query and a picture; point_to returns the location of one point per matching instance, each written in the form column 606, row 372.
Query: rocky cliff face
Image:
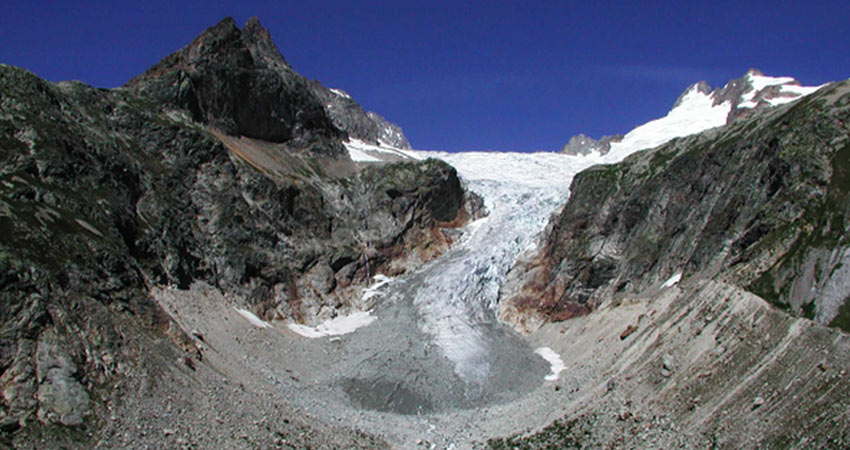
column 360, row 124
column 761, row 202
column 219, row 165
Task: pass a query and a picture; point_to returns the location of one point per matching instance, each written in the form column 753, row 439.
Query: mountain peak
column 697, row 109
column 238, row 82
column 253, row 25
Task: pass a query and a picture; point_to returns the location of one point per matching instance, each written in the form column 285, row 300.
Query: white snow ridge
column 695, row 113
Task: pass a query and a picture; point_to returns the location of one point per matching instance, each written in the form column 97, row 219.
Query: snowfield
column 695, row 113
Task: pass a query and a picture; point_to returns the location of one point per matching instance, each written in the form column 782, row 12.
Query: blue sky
column 462, row 75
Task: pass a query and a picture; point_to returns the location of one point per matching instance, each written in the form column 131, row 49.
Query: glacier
column 441, row 343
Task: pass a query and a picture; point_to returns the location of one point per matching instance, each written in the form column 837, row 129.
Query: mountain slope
column 360, row 124
column 678, row 287
column 219, row 166
column 761, row 202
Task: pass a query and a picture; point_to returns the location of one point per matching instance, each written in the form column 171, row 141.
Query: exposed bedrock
column 219, row 165
column 761, row 202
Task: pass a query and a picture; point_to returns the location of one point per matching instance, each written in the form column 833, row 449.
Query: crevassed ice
column 457, row 300
column 458, row 305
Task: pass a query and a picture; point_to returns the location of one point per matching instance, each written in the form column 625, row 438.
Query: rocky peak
column 581, row 144
column 756, row 91
column 752, row 92
column 106, row 194
column 262, row 46
column 364, row 125
column 238, row 82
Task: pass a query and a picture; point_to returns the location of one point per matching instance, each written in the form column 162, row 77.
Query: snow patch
column 800, row 90
column 555, row 362
column 381, row 280
column 335, row 327
column 787, row 85
column 345, row 324
column 340, row 93
column 358, row 155
column 759, row 82
column 776, row 101
column 672, row 280
column 252, row 319
column 89, row 227
column 364, row 152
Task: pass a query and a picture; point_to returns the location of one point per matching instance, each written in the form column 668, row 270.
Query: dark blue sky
column 461, row 75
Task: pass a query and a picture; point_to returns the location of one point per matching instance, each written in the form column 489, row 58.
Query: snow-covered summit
column 771, row 90
column 698, row 109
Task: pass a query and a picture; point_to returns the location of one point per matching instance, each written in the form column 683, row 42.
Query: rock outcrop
column 366, row 126
column 217, row 165
column 761, row 203
column 584, row 145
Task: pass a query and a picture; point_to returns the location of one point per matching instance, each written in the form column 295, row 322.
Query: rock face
column 219, row 165
column 761, row 202
column 367, row 126
column 583, row 145
column 237, row 81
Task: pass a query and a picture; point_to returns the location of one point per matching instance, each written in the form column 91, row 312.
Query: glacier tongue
column 437, row 342
column 457, row 295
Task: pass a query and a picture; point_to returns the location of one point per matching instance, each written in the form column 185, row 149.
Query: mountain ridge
column 742, row 97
